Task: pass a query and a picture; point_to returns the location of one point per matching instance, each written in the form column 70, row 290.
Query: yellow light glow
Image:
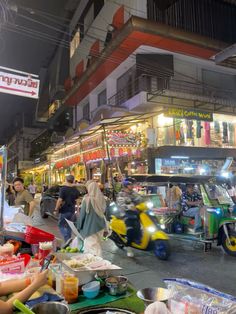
column 163, row 121
column 133, row 128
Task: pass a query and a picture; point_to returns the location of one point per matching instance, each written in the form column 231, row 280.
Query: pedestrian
column 173, row 196
column 44, row 187
column 23, row 197
column 127, row 200
column 32, row 189
column 191, row 203
column 10, row 195
column 91, row 222
column 68, row 198
column 117, row 184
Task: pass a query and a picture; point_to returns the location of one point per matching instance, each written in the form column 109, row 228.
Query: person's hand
column 40, row 279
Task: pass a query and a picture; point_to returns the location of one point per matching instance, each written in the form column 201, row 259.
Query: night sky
column 19, row 49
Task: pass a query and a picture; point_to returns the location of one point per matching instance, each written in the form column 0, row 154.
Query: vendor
column 26, row 288
column 23, row 197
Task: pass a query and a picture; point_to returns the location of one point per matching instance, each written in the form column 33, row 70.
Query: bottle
column 70, row 289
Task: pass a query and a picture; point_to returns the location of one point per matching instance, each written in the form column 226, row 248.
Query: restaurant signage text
column 190, row 114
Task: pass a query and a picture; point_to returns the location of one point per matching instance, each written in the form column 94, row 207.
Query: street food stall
column 80, row 282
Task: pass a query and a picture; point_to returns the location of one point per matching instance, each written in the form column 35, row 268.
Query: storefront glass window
column 183, row 132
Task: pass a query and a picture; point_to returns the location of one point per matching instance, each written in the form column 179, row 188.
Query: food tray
column 85, row 276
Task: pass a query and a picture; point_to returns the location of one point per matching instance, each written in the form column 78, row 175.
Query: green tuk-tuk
column 218, row 219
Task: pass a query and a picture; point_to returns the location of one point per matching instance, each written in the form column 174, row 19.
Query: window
column 102, row 98
column 86, row 112
column 74, row 43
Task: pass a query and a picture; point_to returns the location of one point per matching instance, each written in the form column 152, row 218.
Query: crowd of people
column 90, row 216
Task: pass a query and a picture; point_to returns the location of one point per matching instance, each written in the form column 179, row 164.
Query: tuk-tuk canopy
column 179, row 179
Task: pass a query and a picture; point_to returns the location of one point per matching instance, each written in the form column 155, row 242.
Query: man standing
column 127, row 199
column 68, row 198
column 191, row 203
column 23, row 197
column 32, row 189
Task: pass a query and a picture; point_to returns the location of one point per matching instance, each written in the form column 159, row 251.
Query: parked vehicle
column 49, row 199
column 152, row 237
column 219, row 222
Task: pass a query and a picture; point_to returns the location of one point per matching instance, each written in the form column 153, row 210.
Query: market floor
column 187, row 261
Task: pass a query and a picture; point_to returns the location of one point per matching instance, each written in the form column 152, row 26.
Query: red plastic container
column 34, row 235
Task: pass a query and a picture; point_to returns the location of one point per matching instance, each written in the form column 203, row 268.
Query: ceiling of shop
column 22, row 48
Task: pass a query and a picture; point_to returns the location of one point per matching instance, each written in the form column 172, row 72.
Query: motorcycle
column 151, row 237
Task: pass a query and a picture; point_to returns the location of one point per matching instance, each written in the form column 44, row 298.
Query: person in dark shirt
column 191, row 203
column 68, row 198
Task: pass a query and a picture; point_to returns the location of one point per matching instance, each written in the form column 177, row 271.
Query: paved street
column 187, row 260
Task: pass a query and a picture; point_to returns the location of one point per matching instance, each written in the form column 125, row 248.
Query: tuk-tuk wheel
column 162, row 249
column 229, row 249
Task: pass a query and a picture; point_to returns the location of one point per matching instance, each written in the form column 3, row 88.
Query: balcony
column 148, row 90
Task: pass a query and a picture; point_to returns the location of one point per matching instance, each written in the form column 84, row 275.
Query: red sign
column 19, row 85
column 67, row 162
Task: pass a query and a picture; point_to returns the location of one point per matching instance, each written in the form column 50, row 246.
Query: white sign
column 20, row 85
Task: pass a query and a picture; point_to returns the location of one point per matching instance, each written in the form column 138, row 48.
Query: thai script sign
column 91, row 143
column 122, row 138
column 191, row 114
column 19, row 85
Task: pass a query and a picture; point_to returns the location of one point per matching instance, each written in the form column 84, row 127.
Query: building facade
column 145, row 90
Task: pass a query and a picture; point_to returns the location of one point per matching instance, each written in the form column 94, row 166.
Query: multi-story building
column 145, row 87
column 19, row 147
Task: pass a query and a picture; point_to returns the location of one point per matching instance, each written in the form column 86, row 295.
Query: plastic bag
column 188, row 297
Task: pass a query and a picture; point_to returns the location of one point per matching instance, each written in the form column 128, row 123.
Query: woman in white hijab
column 91, row 222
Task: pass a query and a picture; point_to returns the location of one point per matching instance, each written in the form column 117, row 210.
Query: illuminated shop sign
column 91, row 143
column 122, row 138
column 190, row 114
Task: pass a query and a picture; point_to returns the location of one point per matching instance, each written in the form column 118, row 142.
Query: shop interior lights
column 164, row 121
column 179, row 157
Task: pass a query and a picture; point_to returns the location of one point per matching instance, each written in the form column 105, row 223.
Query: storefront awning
column 115, row 122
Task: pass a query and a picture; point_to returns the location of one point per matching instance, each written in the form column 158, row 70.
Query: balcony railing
column 163, row 86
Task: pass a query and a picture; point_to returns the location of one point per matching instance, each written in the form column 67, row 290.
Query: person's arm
column 58, row 204
column 60, row 200
column 81, row 218
column 29, row 199
column 31, row 208
column 27, row 290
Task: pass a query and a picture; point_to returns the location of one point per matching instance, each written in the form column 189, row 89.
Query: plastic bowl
column 91, row 289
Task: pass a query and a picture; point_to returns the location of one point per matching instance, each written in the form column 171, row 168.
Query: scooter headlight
column 162, row 227
column 151, row 229
column 150, row 205
column 114, row 209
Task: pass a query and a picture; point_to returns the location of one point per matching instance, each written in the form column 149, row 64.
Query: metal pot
column 51, row 307
column 150, row 295
column 117, row 285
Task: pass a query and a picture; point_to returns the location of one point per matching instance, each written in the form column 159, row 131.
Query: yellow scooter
column 152, row 238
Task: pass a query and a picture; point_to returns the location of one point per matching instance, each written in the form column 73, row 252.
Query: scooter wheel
column 162, row 249
column 115, row 238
